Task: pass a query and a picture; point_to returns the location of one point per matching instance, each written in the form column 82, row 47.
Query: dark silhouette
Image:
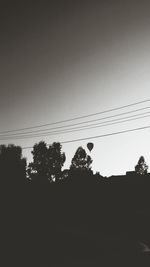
column 47, row 163
column 141, row 168
column 81, row 160
column 80, row 169
column 82, row 220
column 90, row 146
column 12, row 165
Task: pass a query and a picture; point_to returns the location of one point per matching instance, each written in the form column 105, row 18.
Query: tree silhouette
column 81, row 161
column 38, row 169
column 141, row 167
column 56, row 162
column 47, row 162
column 12, row 164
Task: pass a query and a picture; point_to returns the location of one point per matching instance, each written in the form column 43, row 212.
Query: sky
column 65, row 59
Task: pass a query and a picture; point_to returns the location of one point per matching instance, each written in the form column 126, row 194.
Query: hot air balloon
column 90, row 146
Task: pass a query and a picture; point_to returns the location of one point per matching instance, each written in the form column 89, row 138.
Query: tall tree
column 81, row 161
column 141, row 167
column 12, row 164
column 47, row 162
column 56, row 160
column 38, row 169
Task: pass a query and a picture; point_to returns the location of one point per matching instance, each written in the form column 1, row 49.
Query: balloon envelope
column 90, row 146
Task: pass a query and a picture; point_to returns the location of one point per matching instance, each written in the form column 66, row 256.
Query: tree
column 56, row 160
column 141, row 167
column 38, row 169
column 47, row 162
column 81, row 161
column 12, row 164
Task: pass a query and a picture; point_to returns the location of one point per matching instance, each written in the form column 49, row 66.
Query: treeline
column 47, row 164
column 73, row 222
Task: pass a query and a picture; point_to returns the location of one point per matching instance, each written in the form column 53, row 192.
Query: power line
column 99, row 136
column 80, row 123
column 93, row 126
column 86, row 127
column 76, row 118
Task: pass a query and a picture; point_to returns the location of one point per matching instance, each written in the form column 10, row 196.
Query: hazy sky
column 62, row 59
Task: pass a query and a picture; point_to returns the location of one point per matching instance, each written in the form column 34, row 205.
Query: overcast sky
column 62, row 59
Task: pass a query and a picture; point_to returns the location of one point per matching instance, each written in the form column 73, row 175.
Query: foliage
column 81, row 161
column 12, row 164
column 141, row 167
column 47, row 162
